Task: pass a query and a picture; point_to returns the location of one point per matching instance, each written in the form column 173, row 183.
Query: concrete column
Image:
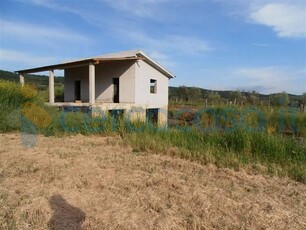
column 21, row 79
column 92, row 83
column 51, row 86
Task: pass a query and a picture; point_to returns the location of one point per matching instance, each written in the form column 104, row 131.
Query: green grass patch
column 226, row 137
column 235, row 149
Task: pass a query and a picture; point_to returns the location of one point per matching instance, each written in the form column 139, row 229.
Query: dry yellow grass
column 96, row 182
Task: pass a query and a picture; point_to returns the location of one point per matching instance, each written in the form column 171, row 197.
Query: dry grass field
column 96, row 182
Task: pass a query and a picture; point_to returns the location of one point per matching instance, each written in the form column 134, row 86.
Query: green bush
column 12, row 98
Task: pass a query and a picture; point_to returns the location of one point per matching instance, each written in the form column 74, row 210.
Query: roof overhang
column 73, row 64
column 120, row 56
column 154, row 64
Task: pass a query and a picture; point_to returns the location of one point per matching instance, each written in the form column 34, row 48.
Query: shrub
column 12, row 98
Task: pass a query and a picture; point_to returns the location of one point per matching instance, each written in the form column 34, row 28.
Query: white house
column 129, row 83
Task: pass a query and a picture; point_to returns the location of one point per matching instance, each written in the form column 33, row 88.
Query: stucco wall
column 76, row 74
column 105, row 72
column 144, row 72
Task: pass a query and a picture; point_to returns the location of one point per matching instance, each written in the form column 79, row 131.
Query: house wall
column 104, row 72
column 143, row 96
column 144, row 72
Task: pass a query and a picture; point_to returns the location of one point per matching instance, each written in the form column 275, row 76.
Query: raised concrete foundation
column 133, row 112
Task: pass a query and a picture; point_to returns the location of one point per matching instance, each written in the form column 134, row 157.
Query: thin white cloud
column 178, row 43
column 263, row 45
column 162, row 58
column 38, row 2
column 17, row 59
column 127, row 8
column 287, row 20
column 35, row 33
column 271, row 79
column 139, row 8
column 134, row 33
column 48, row 4
column 86, row 13
column 285, row 17
column 188, row 44
column 165, row 48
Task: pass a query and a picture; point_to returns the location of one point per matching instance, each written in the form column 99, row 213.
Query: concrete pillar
column 21, row 79
column 92, row 85
column 51, row 86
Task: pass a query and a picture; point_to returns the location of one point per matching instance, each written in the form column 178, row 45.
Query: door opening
column 152, row 116
column 116, row 90
column 77, row 90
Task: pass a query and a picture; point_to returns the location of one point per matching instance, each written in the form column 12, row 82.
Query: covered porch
column 89, row 64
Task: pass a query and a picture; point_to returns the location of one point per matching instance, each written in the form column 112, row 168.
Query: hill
column 174, row 92
column 40, row 81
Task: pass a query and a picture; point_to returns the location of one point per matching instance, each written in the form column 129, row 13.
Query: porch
column 89, row 89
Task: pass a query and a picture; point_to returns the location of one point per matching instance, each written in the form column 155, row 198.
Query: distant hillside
column 41, row 81
column 174, row 92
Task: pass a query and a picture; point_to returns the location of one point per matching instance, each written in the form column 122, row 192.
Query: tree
column 183, row 93
column 304, row 98
column 213, row 96
column 189, row 93
column 281, row 99
column 243, row 99
column 253, row 98
column 235, row 96
column 194, row 94
column 303, row 104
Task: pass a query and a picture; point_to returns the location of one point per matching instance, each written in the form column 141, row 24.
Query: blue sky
column 216, row 44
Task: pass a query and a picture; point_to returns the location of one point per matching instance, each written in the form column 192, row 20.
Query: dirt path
column 100, row 183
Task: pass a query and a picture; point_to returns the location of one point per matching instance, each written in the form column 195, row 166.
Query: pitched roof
column 119, row 56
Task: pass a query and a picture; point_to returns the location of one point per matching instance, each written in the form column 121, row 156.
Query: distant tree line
column 209, row 97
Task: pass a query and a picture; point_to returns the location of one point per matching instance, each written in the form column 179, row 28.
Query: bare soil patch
column 95, row 182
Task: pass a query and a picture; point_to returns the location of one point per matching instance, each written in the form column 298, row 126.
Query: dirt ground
column 95, row 182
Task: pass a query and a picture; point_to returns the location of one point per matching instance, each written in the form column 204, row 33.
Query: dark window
column 77, row 90
column 153, row 86
column 116, row 90
column 116, row 113
column 152, row 116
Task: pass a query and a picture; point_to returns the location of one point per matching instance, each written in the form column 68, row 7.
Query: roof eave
column 155, row 64
column 74, row 64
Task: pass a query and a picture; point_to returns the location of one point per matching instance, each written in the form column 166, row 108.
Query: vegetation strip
column 227, row 137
